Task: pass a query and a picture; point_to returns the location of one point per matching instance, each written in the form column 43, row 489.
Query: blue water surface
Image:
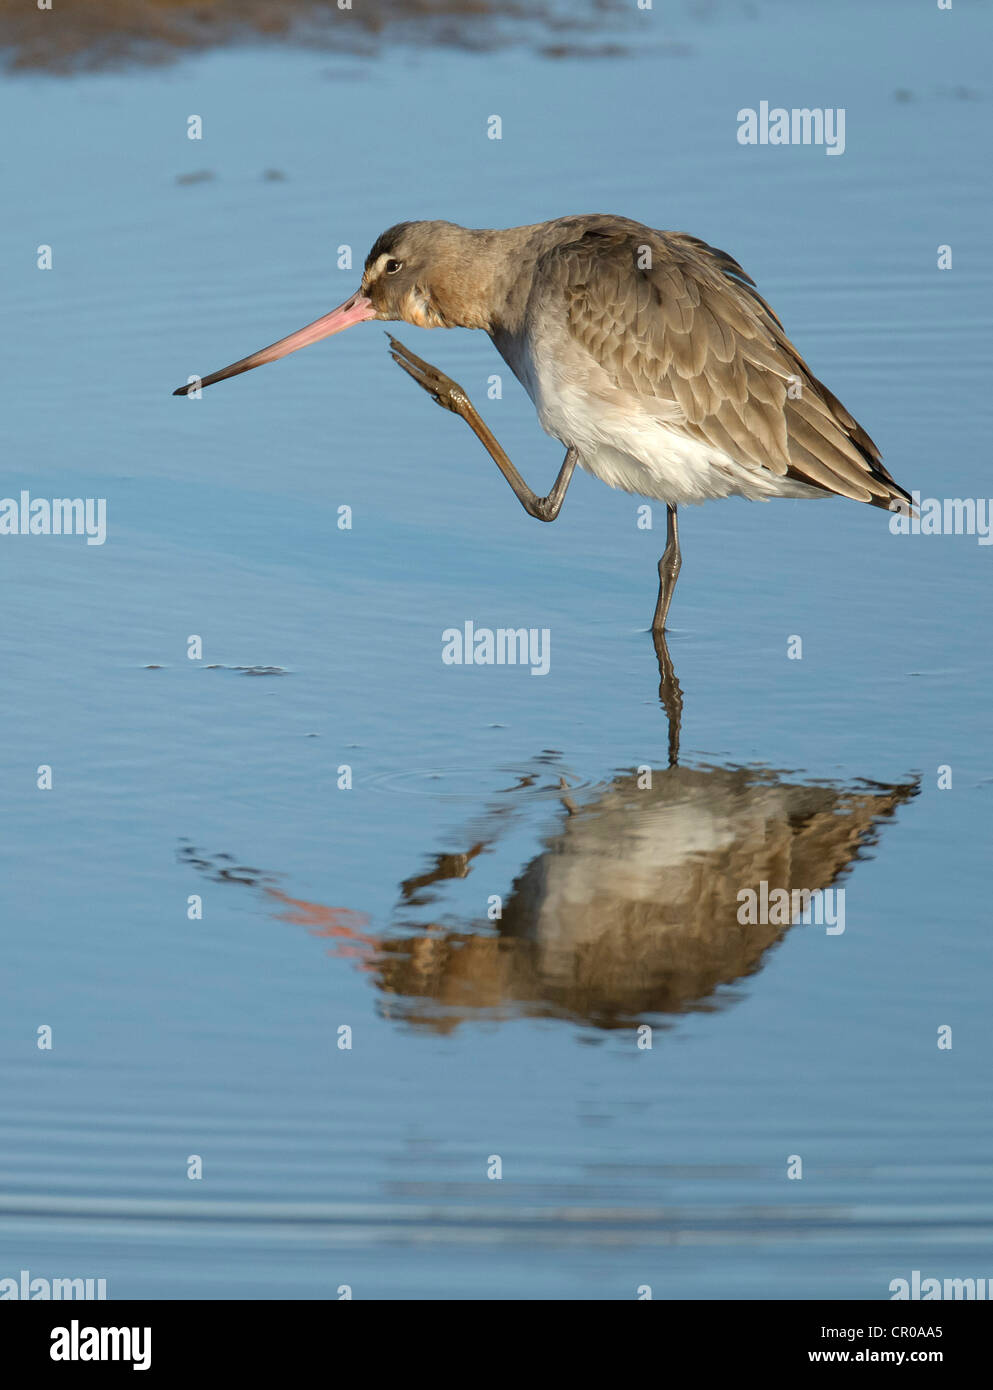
column 480, row 1043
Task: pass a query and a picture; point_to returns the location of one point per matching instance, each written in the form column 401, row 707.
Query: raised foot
column 441, row 388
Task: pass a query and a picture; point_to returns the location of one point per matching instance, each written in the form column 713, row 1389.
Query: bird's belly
column 673, row 468
column 641, row 451
column 636, row 443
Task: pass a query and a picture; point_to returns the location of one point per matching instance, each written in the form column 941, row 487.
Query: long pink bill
column 357, row 309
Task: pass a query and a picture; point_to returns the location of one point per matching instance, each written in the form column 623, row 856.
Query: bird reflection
column 631, row 909
column 628, row 911
column 670, row 694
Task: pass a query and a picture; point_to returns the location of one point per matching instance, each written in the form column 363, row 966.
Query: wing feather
column 691, row 329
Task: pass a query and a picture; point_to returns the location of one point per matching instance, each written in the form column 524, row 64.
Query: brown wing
column 690, row 328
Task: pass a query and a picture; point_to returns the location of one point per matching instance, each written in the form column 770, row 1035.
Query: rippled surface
column 372, row 907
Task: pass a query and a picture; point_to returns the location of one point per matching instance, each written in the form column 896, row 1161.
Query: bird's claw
column 441, row 388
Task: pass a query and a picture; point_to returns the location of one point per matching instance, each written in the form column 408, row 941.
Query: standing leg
column 669, row 567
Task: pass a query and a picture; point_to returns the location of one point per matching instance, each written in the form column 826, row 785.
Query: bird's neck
column 481, row 279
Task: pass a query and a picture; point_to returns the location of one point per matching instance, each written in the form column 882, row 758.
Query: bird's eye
column 393, row 266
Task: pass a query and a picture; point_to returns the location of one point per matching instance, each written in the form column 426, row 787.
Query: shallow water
column 368, row 907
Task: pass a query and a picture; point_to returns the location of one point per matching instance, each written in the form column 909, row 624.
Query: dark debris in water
column 228, row 872
column 245, row 670
column 576, row 50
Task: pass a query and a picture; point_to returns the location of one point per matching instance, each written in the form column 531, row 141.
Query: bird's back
column 654, row 354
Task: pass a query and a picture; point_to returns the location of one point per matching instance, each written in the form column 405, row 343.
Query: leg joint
column 670, row 564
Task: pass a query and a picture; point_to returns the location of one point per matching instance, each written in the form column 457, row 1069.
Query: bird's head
column 423, row 273
column 417, row 272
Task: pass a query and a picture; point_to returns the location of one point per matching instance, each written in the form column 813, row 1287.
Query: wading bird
column 649, row 354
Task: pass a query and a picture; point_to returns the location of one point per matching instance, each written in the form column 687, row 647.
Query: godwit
column 649, row 354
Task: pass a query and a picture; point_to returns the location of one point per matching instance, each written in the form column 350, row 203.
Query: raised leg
column 449, row 394
column 669, row 567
